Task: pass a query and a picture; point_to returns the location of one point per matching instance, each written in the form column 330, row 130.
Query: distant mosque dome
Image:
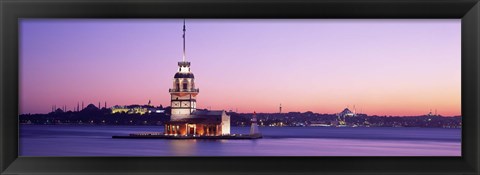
column 59, row 110
column 346, row 112
column 183, row 75
column 91, row 107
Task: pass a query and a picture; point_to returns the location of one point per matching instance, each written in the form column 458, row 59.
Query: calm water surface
column 44, row 140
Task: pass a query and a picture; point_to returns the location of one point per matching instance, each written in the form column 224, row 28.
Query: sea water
column 94, row 140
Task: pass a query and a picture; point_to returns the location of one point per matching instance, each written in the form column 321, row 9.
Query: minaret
column 78, row 106
column 280, row 111
column 99, row 107
column 254, row 126
column 105, row 104
column 354, row 110
column 183, row 94
column 82, row 106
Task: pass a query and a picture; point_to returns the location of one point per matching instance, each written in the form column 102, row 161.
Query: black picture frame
column 466, row 10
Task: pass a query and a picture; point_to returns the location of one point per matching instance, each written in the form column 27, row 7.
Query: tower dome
column 182, row 75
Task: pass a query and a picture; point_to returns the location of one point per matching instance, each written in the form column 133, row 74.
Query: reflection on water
column 277, row 141
column 182, row 147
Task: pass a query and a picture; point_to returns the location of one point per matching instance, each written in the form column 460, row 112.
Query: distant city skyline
column 383, row 67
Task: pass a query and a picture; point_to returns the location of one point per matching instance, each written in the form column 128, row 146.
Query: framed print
column 239, row 87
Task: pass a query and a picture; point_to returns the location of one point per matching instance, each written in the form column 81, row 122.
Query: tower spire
column 184, row 40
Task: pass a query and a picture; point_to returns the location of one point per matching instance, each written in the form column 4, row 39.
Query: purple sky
column 383, row 67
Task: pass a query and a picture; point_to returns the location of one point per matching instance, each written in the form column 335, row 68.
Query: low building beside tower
column 202, row 123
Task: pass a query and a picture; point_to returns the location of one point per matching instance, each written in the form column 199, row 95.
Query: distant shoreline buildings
column 95, row 116
column 137, row 109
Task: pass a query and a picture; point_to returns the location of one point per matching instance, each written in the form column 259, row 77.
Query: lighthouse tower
column 183, row 94
column 254, row 126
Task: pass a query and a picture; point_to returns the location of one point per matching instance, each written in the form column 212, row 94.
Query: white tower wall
column 225, row 124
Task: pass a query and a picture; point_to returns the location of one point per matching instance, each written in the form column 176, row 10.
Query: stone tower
column 183, row 94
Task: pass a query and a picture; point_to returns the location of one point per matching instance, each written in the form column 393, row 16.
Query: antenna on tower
column 184, row 40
